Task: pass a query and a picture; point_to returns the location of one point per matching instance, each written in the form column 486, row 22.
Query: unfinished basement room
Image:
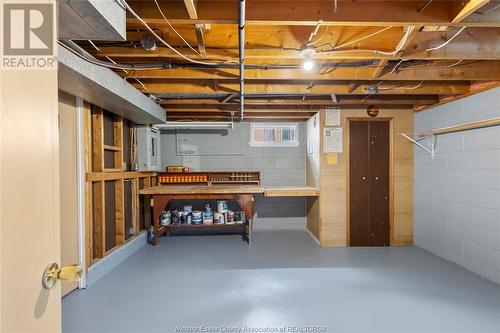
column 300, row 166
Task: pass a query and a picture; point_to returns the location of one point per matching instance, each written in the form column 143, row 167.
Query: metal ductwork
column 241, row 44
column 91, row 19
column 103, row 87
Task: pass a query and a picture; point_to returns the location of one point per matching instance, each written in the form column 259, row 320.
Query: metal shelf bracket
column 446, row 130
column 431, row 150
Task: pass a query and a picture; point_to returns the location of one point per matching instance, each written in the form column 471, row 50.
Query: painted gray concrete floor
column 280, row 281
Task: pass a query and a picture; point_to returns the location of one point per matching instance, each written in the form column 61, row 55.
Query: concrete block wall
column 278, row 167
column 457, row 195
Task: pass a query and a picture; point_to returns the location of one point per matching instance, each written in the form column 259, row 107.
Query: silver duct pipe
column 241, row 44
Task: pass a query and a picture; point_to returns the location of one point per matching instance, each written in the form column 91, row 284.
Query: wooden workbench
column 242, row 194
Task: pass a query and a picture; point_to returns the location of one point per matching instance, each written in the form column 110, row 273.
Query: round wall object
column 372, row 111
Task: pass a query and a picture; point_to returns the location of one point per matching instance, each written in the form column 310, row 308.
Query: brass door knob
column 70, row 273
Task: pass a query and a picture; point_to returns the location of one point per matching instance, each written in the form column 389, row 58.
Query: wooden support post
column 119, row 184
column 87, row 151
column 120, row 212
column 135, row 204
column 118, row 142
column 97, row 139
column 99, row 230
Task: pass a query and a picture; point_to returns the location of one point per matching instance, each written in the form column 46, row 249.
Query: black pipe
column 241, row 44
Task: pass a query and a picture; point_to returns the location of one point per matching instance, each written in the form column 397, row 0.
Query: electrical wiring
column 396, row 66
column 403, row 88
column 173, row 29
column 363, row 38
column 397, row 50
column 315, row 31
column 425, row 5
column 110, row 64
column 92, row 43
column 151, row 95
column 133, row 67
column 435, row 67
column 114, row 62
column 162, row 40
column 156, row 99
column 320, row 38
column 447, row 42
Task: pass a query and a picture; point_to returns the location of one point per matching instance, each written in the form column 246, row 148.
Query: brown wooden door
column 369, row 183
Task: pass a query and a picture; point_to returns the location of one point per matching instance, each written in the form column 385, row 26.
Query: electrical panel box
column 148, row 148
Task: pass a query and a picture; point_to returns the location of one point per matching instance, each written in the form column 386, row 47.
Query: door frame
column 389, row 120
column 80, row 187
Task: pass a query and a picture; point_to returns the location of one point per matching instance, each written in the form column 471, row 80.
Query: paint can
column 175, row 217
column 165, row 217
column 187, row 208
column 222, row 206
column 197, row 219
column 218, row 218
column 186, row 218
column 208, row 217
column 239, row 217
column 230, row 217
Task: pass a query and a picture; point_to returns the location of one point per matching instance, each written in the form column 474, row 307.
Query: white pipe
column 80, row 188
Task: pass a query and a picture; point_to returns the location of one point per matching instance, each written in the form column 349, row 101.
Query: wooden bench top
column 292, row 191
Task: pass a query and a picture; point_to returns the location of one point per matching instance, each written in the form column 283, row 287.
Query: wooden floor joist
column 364, row 49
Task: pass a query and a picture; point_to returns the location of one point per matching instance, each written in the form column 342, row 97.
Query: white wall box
column 148, row 148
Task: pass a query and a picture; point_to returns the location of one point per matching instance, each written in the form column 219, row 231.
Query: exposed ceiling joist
column 405, row 88
column 352, row 13
column 290, row 102
column 440, row 71
column 362, row 55
column 472, row 44
column 468, row 9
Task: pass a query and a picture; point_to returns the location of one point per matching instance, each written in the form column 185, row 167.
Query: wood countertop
column 295, row 191
column 202, row 189
column 291, row 191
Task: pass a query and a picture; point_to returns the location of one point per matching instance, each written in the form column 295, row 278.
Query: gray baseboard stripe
column 106, row 264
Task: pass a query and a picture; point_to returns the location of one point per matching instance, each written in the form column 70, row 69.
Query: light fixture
column 307, row 53
column 308, row 64
column 196, row 125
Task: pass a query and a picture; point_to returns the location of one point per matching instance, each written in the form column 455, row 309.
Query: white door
column 29, row 200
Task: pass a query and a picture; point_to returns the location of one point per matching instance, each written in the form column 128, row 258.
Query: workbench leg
column 246, row 202
column 250, row 230
column 159, row 203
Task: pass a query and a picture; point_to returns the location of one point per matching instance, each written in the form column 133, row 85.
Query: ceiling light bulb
column 308, row 65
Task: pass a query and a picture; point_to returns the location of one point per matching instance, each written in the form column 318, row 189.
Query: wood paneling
column 334, row 185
